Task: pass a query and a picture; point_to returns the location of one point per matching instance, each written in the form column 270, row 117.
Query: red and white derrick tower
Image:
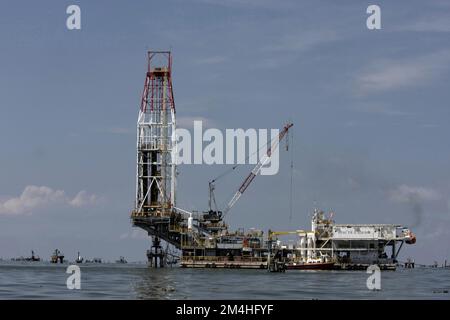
column 156, row 144
column 154, row 209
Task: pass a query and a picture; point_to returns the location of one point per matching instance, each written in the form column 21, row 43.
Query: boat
column 33, row 258
column 19, row 259
column 121, row 260
column 311, row 264
column 79, row 258
column 57, row 256
column 349, row 246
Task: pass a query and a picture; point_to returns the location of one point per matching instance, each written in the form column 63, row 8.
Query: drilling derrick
column 155, row 195
column 156, row 152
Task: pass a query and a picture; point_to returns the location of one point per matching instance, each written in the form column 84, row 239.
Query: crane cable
column 265, row 145
column 236, row 165
column 292, row 179
column 226, row 172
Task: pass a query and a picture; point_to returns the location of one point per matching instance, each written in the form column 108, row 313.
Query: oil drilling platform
column 203, row 238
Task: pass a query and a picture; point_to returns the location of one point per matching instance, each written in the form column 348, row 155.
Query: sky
column 370, row 110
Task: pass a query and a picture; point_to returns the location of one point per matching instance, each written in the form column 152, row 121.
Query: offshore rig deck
column 202, row 239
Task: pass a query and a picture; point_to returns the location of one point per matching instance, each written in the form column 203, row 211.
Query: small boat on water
column 57, row 256
column 311, row 264
column 79, row 258
column 121, row 260
column 33, row 258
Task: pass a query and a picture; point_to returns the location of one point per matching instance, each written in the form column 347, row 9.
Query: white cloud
column 31, row 198
column 394, row 74
column 84, row 199
column 41, row 197
column 404, row 194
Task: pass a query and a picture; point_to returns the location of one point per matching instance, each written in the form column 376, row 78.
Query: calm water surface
column 25, row 280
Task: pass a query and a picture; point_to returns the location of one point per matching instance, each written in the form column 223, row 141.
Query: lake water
column 28, row 280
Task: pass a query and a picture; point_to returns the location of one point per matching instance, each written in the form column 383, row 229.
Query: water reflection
column 156, row 284
column 114, row 281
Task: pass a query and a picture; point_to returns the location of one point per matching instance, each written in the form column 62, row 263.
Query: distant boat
column 96, row 260
column 79, row 258
column 121, row 260
column 33, row 257
column 57, row 256
column 311, row 264
column 18, row 259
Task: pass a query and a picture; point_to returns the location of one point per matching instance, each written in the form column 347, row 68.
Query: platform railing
column 223, row 259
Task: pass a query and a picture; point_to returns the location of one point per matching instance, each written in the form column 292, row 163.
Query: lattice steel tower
column 156, row 145
column 154, row 209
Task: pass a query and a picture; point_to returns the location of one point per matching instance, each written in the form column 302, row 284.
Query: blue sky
column 370, row 110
